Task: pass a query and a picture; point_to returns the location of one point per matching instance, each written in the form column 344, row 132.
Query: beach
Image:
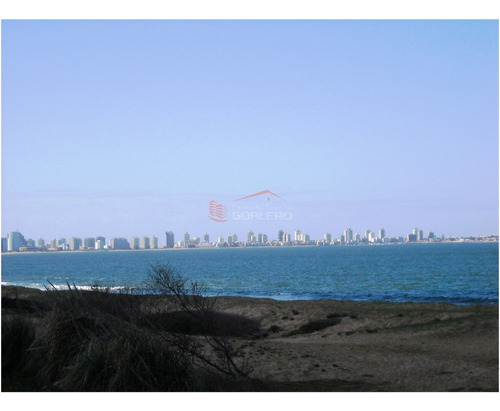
column 327, row 345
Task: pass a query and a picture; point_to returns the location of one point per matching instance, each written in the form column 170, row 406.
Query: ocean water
column 458, row 273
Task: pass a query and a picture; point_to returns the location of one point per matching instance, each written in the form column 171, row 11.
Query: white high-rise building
column 348, row 235
column 250, row 236
column 144, row 242
column 298, row 235
column 153, row 243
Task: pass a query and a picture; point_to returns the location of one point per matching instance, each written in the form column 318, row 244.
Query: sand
column 374, row 346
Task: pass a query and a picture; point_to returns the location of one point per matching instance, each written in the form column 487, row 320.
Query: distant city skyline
column 121, row 127
column 15, row 241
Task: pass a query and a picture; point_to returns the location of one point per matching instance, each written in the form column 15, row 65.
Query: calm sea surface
column 457, row 273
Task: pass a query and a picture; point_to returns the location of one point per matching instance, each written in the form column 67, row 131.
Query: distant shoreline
column 459, row 241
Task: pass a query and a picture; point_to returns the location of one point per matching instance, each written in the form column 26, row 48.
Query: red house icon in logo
column 217, row 212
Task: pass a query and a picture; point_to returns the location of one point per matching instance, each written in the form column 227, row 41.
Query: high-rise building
column 102, row 240
column 280, row 235
column 134, row 243
column 153, row 242
column 357, row 238
column 119, row 243
column 411, row 238
column 230, row 239
column 298, row 236
column 75, row 243
column 348, row 235
column 250, row 236
column 15, row 240
column 431, row 235
column 144, row 242
column 61, row 242
column 328, row 238
column 53, row 244
column 342, row 239
column 286, row 238
column 5, row 244
column 235, row 238
column 89, row 243
column 41, row 243
column 186, row 239
column 367, row 234
column 169, row 239
column 206, row 238
column 420, row 235
column 264, row 238
column 381, row 234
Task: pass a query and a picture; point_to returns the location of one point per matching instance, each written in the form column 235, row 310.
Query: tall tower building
column 280, row 235
column 328, row 238
column 119, row 243
column 153, row 242
column 134, row 243
column 381, row 234
column 206, row 238
column 186, row 239
column 75, row 243
column 89, row 243
column 249, row 236
column 348, row 235
column 298, row 235
column 15, row 240
column 102, row 240
column 144, row 242
column 169, row 239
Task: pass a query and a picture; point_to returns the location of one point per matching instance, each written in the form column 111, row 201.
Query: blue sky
column 122, row 128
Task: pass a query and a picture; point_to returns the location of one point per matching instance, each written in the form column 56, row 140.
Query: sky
column 123, row 128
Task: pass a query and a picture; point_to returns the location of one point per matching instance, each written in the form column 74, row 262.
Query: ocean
column 458, row 273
